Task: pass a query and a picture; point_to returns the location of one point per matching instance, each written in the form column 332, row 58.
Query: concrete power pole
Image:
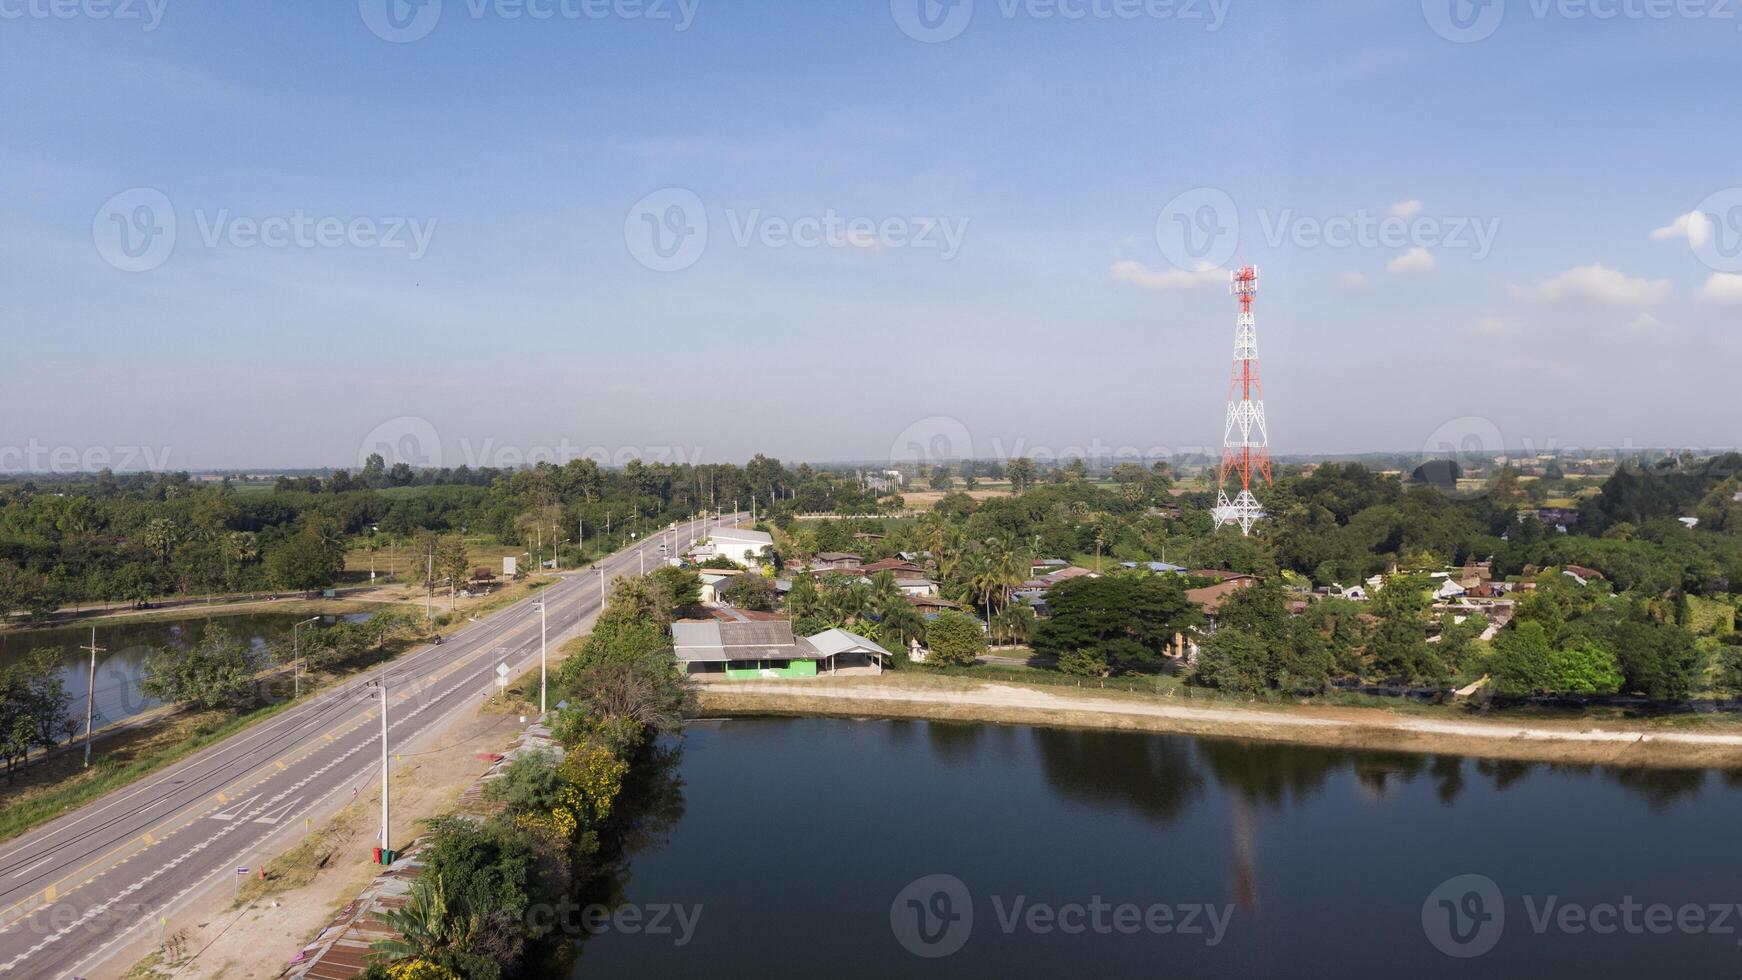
column 91, row 695
column 384, row 759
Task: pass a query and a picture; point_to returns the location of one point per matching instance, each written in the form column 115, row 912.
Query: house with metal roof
column 768, row 649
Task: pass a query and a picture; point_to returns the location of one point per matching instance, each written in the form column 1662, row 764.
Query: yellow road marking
column 222, row 798
column 280, row 764
column 48, row 894
column 149, row 840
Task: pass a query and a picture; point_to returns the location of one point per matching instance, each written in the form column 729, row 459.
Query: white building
column 740, row 545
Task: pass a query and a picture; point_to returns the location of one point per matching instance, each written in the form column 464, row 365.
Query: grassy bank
column 60, row 783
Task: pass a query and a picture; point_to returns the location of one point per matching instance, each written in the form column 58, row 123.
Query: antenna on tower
column 1245, row 441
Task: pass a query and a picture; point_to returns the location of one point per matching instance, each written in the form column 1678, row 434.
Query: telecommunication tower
column 1245, row 442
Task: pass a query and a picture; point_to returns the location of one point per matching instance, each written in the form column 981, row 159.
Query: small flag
column 242, row 871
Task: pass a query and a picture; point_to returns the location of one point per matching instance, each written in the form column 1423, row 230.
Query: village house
column 745, row 648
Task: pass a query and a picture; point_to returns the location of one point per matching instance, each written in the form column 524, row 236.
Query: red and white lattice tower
column 1245, row 443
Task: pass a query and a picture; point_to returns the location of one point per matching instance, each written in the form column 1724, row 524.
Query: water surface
column 798, row 836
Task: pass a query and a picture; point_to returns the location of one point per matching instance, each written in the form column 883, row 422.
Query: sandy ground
column 918, row 696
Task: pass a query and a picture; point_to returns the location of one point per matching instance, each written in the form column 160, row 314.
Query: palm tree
column 981, row 575
column 901, row 621
column 425, row 928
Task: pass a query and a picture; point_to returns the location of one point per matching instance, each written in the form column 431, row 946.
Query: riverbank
column 1614, row 742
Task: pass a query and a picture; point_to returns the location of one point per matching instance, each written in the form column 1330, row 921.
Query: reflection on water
column 126, row 645
column 797, row 836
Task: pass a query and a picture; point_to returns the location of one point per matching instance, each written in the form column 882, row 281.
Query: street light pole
column 296, row 657
column 384, row 784
column 541, row 657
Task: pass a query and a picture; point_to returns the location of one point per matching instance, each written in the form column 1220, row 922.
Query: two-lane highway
column 73, row 891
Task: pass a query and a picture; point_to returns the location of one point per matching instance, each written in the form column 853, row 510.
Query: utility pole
column 601, row 585
column 384, row 809
column 91, row 695
column 296, row 657
column 541, row 657
column 429, row 584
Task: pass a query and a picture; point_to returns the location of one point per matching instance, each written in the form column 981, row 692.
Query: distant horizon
column 1520, row 454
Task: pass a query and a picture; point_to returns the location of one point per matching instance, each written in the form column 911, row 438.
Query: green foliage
column 33, row 707
column 954, row 639
column 529, row 784
column 681, row 587
column 1583, row 668
column 1097, row 625
column 750, row 592
column 215, row 673
column 1522, row 661
column 1234, row 660
column 310, row 559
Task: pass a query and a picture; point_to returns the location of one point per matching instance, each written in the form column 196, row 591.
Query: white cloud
column 1417, row 259
column 1352, row 280
column 1693, row 226
column 1406, row 209
column 1138, row 274
column 1595, row 283
column 1494, row 326
column 1644, row 321
column 1722, row 289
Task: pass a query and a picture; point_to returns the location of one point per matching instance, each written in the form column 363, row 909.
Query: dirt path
column 926, row 697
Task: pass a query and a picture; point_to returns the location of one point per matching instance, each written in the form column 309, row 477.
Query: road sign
column 242, row 871
column 501, row 675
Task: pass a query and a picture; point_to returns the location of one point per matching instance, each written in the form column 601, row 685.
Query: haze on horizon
column 970, row 228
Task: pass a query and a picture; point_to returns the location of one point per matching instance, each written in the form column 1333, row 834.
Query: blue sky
column 526, row 150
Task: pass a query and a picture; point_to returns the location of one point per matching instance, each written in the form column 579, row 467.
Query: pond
column 127, row 643
column 841, row 848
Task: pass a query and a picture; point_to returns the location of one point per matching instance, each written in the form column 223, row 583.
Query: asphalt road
column 74, row 891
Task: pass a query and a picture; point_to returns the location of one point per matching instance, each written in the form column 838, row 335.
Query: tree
column 750, row 592
column 682, row 587
column 312, row 558
column 452, row 564
column 1103, row 623
column 1584, row 668
column 1021, row 473
column 1234, row 660
column 1522, row 660
column 33, row 707
column 954, row 639
column 215, row 673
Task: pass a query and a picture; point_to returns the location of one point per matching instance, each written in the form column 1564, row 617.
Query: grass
column 62, row 783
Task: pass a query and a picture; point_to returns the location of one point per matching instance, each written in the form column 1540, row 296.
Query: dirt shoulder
column 919, row 696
